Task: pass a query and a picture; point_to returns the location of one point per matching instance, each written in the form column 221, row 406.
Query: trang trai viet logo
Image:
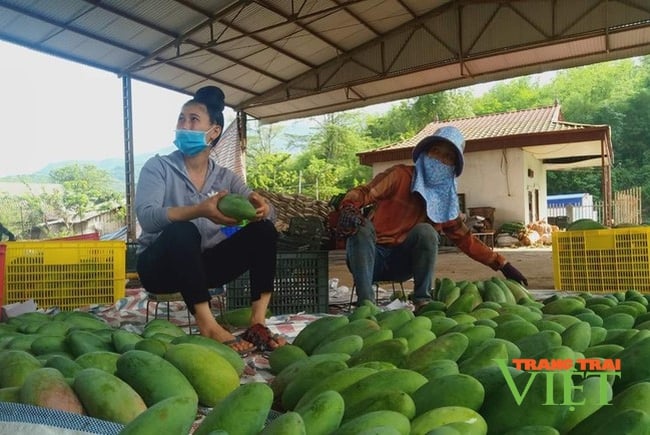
column 568, row 371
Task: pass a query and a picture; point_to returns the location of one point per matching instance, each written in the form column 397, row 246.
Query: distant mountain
column 114, row 166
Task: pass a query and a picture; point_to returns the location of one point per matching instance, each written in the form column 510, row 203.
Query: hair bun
column 212, row 96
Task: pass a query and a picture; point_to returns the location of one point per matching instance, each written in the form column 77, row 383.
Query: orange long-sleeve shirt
column 396, row 210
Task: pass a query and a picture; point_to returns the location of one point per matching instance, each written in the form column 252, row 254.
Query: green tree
column 267, row 168
column 585, row 91
column 575, row 181
column 333, row 148
column 516, row 94
column 632, row 145
column 440, row 106
column 85, row 188
column 410, row 116
column 262, row 137
column 338, row 136
column 611, row 93
column 319, row 179
column 11, row 213
column 272, row 172
column 391, row 127
column 22, row 212
column 615, row 94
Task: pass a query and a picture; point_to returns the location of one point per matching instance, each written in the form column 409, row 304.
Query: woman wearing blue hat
column 411, row 205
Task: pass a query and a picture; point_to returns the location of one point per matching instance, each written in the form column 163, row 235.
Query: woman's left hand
column 261, row 205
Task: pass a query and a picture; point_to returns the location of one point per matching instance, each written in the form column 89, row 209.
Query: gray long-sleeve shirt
column 164, row 183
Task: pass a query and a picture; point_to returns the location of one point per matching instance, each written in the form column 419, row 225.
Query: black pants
column 174, row 261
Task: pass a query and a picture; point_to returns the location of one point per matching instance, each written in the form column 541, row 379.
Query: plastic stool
column 166, row 298
column 219, row 293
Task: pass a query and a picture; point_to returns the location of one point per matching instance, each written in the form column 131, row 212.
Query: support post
column 127, row 110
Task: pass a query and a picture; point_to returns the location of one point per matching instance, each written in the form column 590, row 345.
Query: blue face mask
column 190, row 142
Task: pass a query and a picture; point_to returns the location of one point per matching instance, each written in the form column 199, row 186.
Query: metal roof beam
column 284, row 88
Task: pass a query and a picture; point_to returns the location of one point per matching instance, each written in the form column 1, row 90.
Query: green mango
column 237, row 207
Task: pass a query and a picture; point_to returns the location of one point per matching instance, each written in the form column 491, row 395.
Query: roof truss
column 284, row 59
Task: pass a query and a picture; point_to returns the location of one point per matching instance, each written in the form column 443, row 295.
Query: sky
column 55, row 110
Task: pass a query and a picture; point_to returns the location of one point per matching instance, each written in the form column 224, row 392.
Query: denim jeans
column 415, row 257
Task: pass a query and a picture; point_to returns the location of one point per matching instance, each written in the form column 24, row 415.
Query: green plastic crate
column 131, row 257
column 301, row 284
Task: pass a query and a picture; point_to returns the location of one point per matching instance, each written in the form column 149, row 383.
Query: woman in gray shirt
column 182, row 246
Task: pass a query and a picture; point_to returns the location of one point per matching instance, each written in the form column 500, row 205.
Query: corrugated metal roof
column 284, row 59
column 567, row 199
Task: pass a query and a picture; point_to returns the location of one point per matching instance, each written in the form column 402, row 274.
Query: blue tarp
column 117, row 235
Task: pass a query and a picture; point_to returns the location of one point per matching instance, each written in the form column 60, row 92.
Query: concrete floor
column 535, row 263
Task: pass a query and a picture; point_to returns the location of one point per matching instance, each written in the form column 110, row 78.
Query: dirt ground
column 535, row 263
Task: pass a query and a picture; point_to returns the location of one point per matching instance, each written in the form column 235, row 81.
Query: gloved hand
column 350, row 219
column 511, row 272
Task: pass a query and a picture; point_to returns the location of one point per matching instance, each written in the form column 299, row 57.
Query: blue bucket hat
column 448, row 134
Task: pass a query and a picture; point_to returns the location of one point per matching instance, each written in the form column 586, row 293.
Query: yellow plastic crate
column 64, row 274
column 602, row 261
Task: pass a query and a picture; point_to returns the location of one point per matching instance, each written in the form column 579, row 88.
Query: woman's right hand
column 210, row 210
